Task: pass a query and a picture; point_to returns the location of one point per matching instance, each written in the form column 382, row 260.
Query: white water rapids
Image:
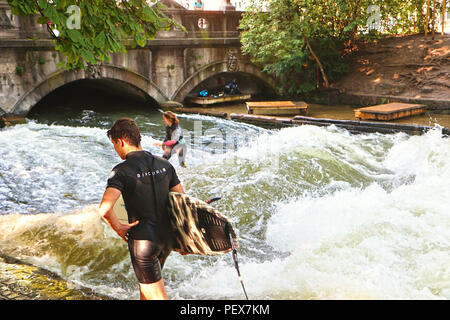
column 320, row 213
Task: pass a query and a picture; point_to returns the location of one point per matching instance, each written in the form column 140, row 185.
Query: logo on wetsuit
column 146, row 174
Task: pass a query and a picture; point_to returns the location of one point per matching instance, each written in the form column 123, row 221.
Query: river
column 320, row 213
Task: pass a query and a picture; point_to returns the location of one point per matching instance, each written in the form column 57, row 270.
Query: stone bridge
column 170, row 67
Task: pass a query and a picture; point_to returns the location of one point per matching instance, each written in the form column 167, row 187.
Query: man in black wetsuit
column 144, row 181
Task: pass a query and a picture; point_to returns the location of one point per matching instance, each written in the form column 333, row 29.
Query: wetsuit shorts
column 148, row 260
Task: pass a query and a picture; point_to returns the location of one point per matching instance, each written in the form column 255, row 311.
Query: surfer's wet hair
column 171, row 116
column 127, row 129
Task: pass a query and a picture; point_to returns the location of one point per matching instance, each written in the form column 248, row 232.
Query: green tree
column 89, row 30
column 304, row 43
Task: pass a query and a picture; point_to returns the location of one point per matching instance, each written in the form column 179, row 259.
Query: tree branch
column 318, row 63
column 50, row 30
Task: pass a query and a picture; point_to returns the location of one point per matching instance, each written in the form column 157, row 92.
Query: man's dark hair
column 126, row 129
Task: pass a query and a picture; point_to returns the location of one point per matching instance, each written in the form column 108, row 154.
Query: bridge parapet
column 15, row 27
column 206, row 24
column 198, row 24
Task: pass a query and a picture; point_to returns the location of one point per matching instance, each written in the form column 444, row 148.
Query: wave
column 320, row 213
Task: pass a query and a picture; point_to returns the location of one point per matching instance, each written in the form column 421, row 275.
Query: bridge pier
column 168, row 69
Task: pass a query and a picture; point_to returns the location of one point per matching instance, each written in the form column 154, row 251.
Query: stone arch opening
column 247, row 83
column 249, row 77
column 106, row 78
column 77, row 99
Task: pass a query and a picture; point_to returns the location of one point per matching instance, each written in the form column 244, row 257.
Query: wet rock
column 22, row 281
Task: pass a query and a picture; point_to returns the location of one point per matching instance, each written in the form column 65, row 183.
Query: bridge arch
column 217, row 68
column 100, row 72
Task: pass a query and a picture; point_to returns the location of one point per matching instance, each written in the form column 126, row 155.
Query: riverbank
column 409, row 68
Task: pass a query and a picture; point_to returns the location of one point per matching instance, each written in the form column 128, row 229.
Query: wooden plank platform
column 206, row 101
column 10, row 120
column 203, row 111
column 390, row 111
column 300, row 107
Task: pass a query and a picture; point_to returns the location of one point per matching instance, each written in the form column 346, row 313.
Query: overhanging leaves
column 104, row 25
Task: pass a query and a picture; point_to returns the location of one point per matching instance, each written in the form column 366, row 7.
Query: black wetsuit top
column 133, row 178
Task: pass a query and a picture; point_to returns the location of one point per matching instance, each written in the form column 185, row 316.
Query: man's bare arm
column 106, row 211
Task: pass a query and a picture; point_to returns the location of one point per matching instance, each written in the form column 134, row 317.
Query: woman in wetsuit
column 174, row 141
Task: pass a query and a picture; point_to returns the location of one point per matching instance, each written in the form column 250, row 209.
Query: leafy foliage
column 104, row 27
column 275, row 34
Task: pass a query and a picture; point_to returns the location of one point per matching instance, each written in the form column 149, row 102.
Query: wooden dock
column 207, row 101
column 202, row 111
column 297, row 108
column 390, row 111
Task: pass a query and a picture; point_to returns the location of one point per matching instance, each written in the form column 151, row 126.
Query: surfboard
column 198, row 227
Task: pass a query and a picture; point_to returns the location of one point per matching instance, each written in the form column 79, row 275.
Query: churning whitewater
column 320, row 213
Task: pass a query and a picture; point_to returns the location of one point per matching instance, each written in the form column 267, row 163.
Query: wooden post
column 427, row 14
column 444, row 11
